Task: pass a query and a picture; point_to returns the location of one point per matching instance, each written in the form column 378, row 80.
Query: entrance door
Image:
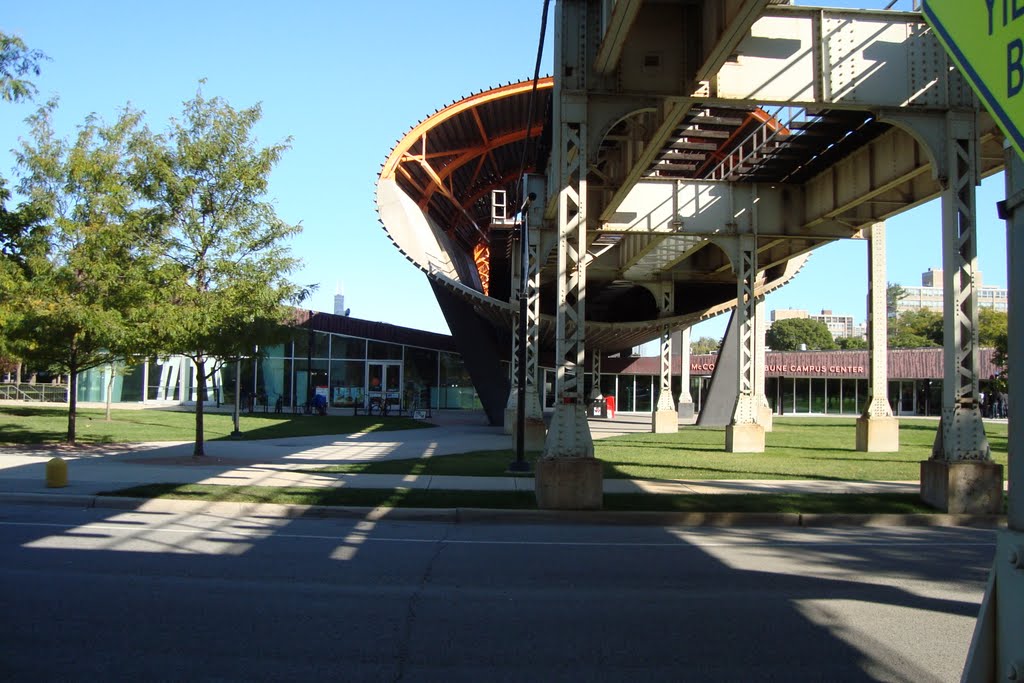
column 907, row 406
column 384, row 385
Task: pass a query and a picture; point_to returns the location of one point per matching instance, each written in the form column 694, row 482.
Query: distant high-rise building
column 929, row 294
column 339, row 300
column 838, row 325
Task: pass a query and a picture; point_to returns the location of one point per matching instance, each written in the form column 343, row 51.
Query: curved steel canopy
column 434, row 200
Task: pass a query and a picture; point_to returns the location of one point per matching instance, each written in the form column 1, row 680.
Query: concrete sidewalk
column 280, row 462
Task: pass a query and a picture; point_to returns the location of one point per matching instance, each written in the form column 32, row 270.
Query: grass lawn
column 40, row 425
column 797, row 448
column 883, row 503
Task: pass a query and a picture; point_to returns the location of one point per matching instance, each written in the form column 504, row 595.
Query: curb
column 501, row 516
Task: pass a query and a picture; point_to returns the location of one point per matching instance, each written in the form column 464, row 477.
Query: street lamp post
column 237, row 434
column 520, row 464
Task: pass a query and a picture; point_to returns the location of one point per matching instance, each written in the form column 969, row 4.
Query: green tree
column 789, row 334
column 992, row 332
column 992, row 326
column 23, row 235
column 88, row 298
column 894, row 293
column 915, row 329
column 704, row 345
column 1000, row 359
column 851, row 343
column 20, row 229
column 208, row 177
column 16, row 62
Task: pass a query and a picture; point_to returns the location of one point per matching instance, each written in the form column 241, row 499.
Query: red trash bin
column 609, row 401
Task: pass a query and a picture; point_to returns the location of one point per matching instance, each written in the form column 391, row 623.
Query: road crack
column 410, row 611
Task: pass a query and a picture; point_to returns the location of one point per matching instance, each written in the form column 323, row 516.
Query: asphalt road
column 109, row 595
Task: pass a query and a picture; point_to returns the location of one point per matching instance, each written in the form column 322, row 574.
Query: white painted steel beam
column 852, row 59
column 878, row 379
column 617, row 18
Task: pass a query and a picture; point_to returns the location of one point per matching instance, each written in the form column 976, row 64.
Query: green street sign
column 986, row 40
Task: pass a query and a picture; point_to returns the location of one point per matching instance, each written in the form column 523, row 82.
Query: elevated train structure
column 685, row 159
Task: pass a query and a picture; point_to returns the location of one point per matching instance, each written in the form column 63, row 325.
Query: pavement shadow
column 224, row 592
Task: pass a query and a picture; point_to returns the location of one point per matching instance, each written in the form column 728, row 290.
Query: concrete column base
column 569, row 484
column 665, row 422
column 686, row 410
column 510, row 420
column 747, row 437
column 963, row 487
column 535, row 433
column 878, row 434
column 765, row 417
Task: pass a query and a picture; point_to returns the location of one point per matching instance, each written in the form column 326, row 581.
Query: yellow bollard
column 56, row 473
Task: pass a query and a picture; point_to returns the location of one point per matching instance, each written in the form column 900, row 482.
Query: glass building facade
column 347, row 369
column 802, row 383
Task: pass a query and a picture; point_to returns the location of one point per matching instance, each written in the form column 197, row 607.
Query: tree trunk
column 199, row 451
column 110, row 388
column 72, row 402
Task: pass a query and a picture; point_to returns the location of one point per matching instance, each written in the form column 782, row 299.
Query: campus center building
column 347, row 360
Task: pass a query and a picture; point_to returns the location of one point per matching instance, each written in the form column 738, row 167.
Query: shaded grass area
column 41, row 425
column 848, row 503
column 798, row 448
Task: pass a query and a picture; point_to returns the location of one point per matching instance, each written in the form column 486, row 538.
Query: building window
column 788, row 399
column 624, row 397
column 385, row 351
column 801, row 395
column 420, row 377
column 347, row 347
column 456, row 388
column 644, row 394
column 347, row 378
column 833, row 396
column 817, row 395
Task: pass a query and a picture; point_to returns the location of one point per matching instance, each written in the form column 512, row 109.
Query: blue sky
column 346, row 80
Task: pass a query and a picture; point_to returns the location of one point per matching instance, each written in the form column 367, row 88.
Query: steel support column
column 743, row 434
column 569, row 436
column 997, row 649
column 961, row 434
column 877, row 429
column 685, row 409
column 511, row 407
column 535, row 431
column 664, row 419
column 568, row 476
column 764, row 409
column 533, row 409
column 960, row 476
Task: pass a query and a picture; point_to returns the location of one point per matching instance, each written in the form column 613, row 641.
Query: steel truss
column 961, row 434
column 569, row 435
